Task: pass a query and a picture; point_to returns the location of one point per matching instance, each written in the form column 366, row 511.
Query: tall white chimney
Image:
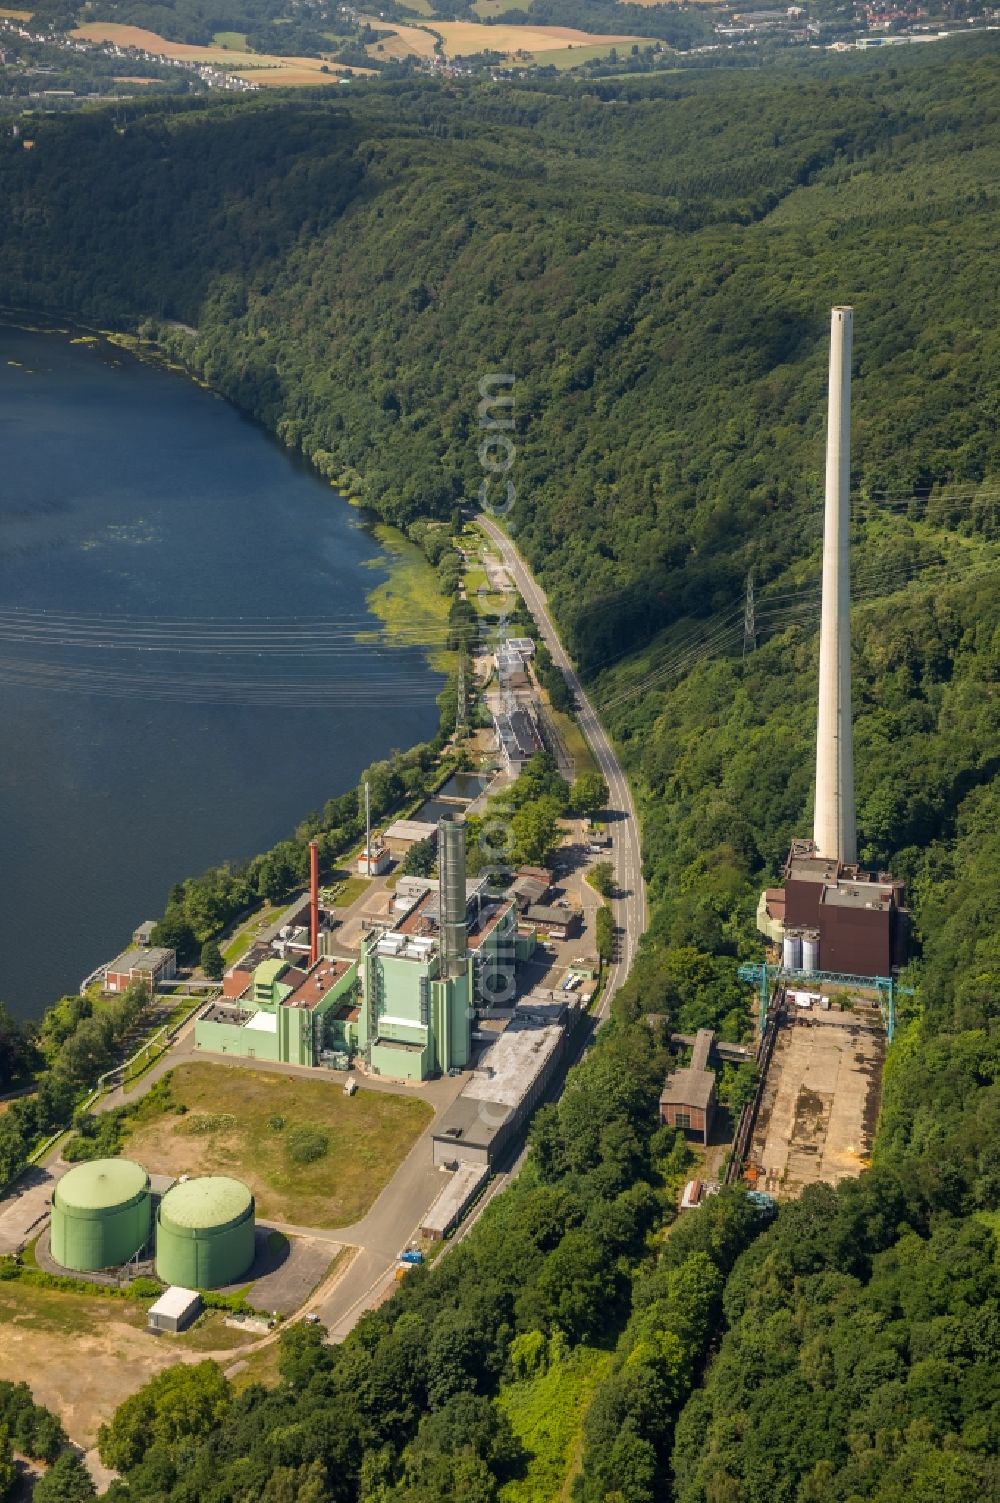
column 834, row 824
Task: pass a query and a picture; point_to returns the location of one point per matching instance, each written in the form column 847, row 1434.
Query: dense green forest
column 653, row 261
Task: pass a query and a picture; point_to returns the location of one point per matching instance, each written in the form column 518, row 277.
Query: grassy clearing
column 64, row 1311
column 244, row 938
column 368, row 1135
column 573, row 740
column 347, row 892
column 575, row 56
column 409, row 603
column 239, row 947
column 211, row 1334
column 233, row 41
column 260, row 1366
column 488, row 8
column 546, row 1414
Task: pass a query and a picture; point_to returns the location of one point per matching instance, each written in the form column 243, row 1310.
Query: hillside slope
column 654, row 263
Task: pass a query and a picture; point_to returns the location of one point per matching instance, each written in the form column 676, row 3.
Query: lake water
column 180, row 675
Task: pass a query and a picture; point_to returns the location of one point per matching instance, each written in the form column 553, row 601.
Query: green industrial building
column 205, row 1231
column 100, row 1215
column 405, row 1006
column 282, row 1013
column 452, row 948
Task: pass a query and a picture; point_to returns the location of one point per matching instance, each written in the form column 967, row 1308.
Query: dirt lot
column 225, row 1131
column 83, row 1354
column 818, row 1112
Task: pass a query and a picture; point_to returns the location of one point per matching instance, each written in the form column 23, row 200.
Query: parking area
column 24, row 1210
column 285, row 1270
column 820, row 1101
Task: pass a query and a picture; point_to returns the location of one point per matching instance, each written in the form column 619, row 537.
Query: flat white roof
column 462, row 1184
column 263, row 1022
column 510, row 1066
column 175, row 1302
column 410, row 829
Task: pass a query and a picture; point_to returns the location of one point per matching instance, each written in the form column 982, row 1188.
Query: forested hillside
column 654, row 262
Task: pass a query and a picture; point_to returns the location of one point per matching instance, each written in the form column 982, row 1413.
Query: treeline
column 77, row 1042
column 654, row 260
column 861, row 1360
column 681, row 26
column 651, row 258
column 414, row 1388
column 34, row 1432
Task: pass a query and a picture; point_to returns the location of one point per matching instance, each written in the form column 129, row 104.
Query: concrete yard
column 820, row 1103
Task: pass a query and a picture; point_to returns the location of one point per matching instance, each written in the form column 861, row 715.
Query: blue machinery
column 886, row 986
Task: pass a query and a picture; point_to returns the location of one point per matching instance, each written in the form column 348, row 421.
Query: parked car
column 411, row 1255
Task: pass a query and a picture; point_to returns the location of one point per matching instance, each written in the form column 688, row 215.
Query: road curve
column 631, row 912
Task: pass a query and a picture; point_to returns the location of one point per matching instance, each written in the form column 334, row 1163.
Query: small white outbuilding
column 175, row 1309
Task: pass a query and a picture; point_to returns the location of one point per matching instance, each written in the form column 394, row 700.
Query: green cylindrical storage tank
column 100, row 1214
column 205, row 1232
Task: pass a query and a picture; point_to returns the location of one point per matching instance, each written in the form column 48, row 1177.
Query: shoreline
column 406, row 593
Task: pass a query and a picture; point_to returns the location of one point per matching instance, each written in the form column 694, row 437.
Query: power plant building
column 509, row 1082
column 833, row 915
column 205, row 1232
column 101, row 1215
column 283, row 1012
column 451, row 947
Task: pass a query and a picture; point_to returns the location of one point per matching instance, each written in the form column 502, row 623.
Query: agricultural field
column 15, row 15
column 241, row 1121
column 462, row 38
column 262, row 67
column 400, row 41
column 562, row 45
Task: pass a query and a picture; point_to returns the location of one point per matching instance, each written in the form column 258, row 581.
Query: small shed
column 175, row 1309
column 557, row 923
column 403, row 834
column 687, row 1100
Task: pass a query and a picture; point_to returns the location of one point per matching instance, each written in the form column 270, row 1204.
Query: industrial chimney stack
column 451, row 896
column 313, row 902
column 834, row 825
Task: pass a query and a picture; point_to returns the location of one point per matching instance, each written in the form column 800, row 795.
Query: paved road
column 631, row 910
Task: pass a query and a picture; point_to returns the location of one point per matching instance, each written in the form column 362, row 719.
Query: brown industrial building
column 151, row 964
column 688, row 1097
column 842, row 917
